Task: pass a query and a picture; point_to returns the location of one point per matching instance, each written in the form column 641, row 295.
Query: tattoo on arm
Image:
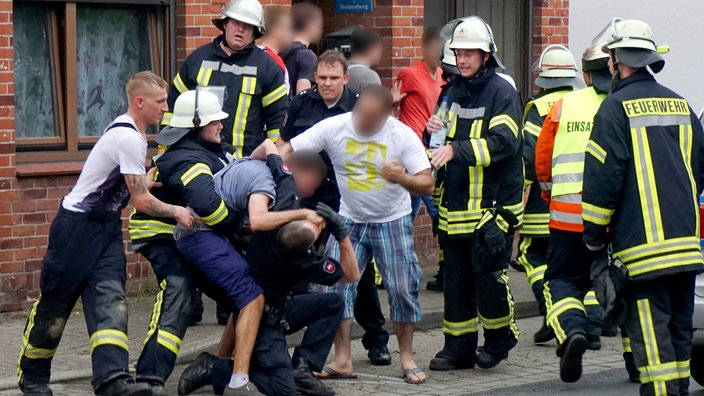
column 143, row 200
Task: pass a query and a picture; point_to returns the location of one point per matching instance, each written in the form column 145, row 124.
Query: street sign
column 350, row 6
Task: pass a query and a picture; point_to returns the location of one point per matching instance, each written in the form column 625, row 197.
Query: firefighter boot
column 458, row 353
column 571, row 360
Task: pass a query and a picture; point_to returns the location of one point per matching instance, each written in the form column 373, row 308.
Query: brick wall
column 550, row 25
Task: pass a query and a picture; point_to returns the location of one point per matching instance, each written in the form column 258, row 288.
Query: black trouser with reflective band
column 532, row 255
column 367, row 311
column 476, row 293
column 567, row 283
column 85, row 258
column 659, row 325
column 171, row 310
column 271, row 368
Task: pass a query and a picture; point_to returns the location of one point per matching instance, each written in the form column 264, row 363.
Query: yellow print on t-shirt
column 362, row 162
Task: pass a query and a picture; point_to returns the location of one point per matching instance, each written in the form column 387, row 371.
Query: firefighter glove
column 334, row 224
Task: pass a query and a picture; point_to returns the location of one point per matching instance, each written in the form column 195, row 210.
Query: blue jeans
column 429, row 205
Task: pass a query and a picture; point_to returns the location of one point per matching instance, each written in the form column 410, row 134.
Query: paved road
column 605, row 383
column 530, row 370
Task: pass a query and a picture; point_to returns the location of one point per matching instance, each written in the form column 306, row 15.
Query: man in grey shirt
column 366, row 47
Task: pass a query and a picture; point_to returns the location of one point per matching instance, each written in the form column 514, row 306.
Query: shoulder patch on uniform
column 329, row 267
column 285, row 169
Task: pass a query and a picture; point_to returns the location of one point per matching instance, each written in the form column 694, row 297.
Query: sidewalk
column 72, row 360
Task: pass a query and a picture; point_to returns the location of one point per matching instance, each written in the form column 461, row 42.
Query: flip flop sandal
column 332, row 374
column 414, row 372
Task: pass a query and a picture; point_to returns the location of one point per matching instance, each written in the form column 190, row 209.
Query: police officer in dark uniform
column 329, row 98
column 278, row 261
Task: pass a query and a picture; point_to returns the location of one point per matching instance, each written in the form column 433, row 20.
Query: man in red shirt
column 418, row 88
column 421, row 83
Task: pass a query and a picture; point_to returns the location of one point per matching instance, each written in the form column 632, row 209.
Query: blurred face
column 238, row 34
column 375, row 54
column 432, row 53
column 282, row 33
column 152, row 106
column 470, row 61
column 307, row 181
column 331, row 80
column 316, row 28
column 211, row 132
column 369, row 115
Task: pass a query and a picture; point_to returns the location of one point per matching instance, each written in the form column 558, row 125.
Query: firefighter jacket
column 559, row 156
column 536, row 214
column 186, row 171
column 255, row 93
column 642, row 179
column 487, row 170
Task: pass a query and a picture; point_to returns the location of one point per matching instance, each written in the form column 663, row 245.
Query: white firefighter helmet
column 449, row 62
column 245, row 11
column 472, row 33
column 633, row 42
column 556, row 61
column 193, row 109
column 556, row 68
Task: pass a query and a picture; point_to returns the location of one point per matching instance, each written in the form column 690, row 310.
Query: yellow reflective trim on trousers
column 194, row 171
column 590, row 299
column 504, row 119
column 273, row 134
column 156, row 311
column 536, row 218
column 626, row 344
column 481, row 152
column 25, row 337
column 32, row 352
column 523, row 250
column 659, row 373
column 645, row 177
column 460, row 328
column 108, row 337
column 494, row 324
column 531, row 128
column 169, row 341
column 596, row 151
column 664, row 262
column 166, row 118
column 533, row 273
column 274, row 95
column 218, row 215
column 661, row 247
column 536, row 274
column 595, row 214
column 239, row 125
column 513, row 326
column 555, row 324
column 558, row 308
column 648, row 330
column 179, row 85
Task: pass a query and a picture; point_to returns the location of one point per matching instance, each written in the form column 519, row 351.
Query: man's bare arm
column 261, row 219
column 285, row 150
column 145, row 202
column 420, row 184
column 302, row 85
column 348, row 261
column 264, row 150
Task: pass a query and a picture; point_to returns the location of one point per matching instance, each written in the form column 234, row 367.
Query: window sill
column 49, row 169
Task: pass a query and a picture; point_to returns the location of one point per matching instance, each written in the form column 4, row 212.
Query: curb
column 431, row 320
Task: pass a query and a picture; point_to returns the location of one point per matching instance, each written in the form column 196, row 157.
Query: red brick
column 11, row 268
column 26, row 253
column 23, row 230
column 34, row 218
column 11, row 243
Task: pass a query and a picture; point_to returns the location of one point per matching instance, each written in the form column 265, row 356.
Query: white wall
column 677, row 23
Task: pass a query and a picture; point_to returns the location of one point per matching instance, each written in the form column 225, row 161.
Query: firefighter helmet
column 472, row 33
column 632, row 40
column 192, row 109
column 556, row 68
column 245, row 11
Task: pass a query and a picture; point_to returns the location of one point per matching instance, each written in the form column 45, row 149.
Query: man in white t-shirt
column 378, row 161
column 85, row 257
